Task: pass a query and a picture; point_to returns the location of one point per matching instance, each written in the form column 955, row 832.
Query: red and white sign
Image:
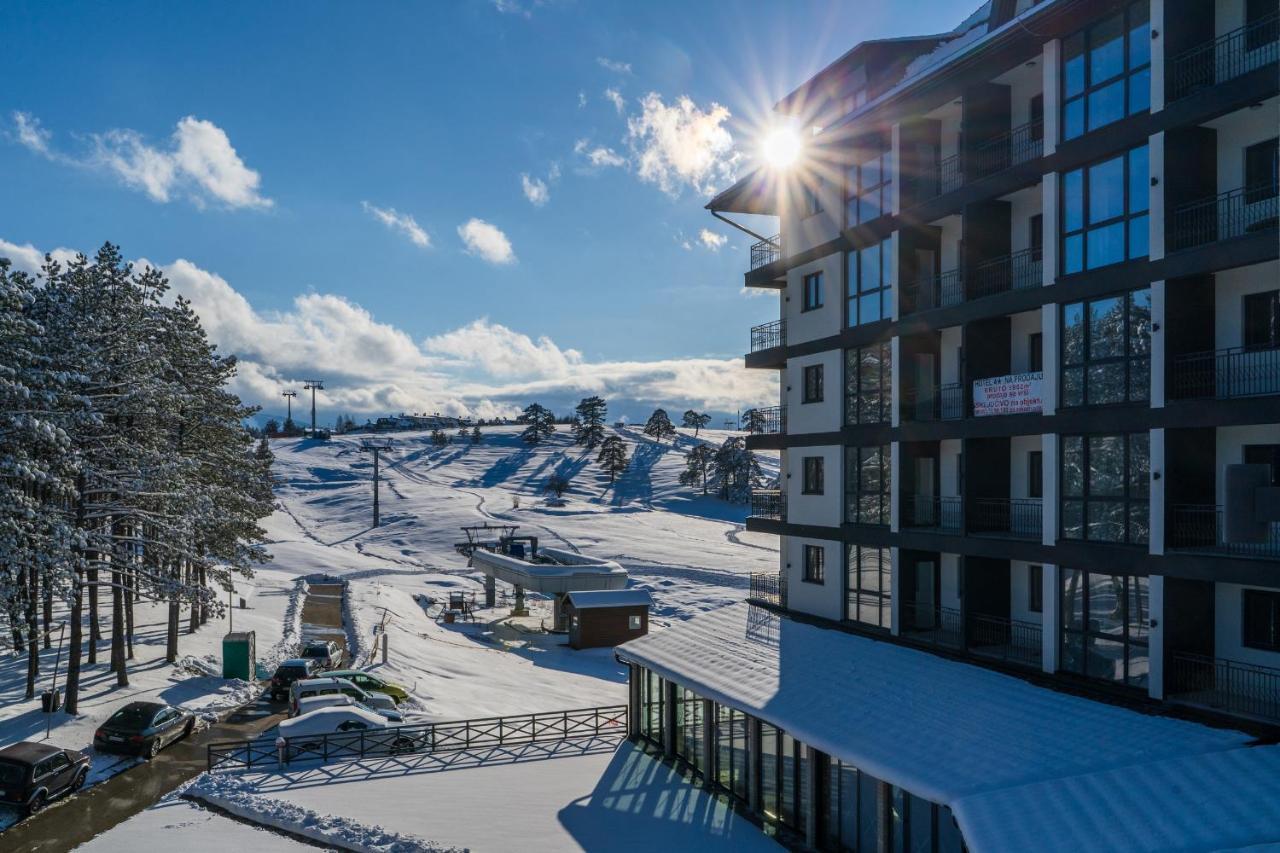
column 1008, row 395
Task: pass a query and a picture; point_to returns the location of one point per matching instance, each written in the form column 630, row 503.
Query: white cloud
column 614, row 97
column 613, row 65
column 598, row 155
column 679, row 144
column 582, row 99
column 535, row 190
column 711, row 240
column 199, row 162
column 486, row 241
column 402, row 222
column 512, row 7
column 29, row 259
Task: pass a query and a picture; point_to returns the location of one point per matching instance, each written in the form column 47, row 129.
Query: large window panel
column 1105, row 626
column 869, row 294
column 870, row 587
column 1106, row 71
column 867, row 189
column 1106, row 350
column 1105, row 492
column 1105, row 212
column 867, row 484
column 868, row 379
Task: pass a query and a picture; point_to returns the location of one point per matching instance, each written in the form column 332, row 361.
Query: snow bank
column 231, row 793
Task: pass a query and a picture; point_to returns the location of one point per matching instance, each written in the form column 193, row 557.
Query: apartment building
column 1028, row 314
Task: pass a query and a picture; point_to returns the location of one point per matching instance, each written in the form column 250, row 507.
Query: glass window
column 1106, row 350
column 869, row 296
column 1104, row 212
column 812, row 292
column 1035, row 589
column 868, row 376
column 1105, row 493
column 813, row 475
column 815, row 557
column 813, row 384
column 731, row 751
column 1261, row 622
column 867, row 188
column 1262, row 320
column 1105, row 626
column 867, row 484
column 869, row 586
column 652, row 697
column 1106, row 71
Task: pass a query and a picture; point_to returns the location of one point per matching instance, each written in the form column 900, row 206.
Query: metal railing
column 768, row 421
column 1019, row 517
column 1225, row 373
column 950, row 174
column 769, row 503
column 1019, row 145
column 766, row 252
column 1232, row 686
column 1199, row 528
column 935, row 291
column 936, row 512
column 426, row 738
column 1002, row 638
column 1226, row 57
column 768, row 335
column 768, row 588
column 1234, row 213
column 1016, row 271
column 939, row 403
column 937, row 626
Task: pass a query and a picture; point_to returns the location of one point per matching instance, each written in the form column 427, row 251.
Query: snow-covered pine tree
column 588, row 428
column 753, row 421
column 695, row 421
column 613, row 456
column 735, row 470
column 659, row 425
column 697, row 469
column 476, row 437
column 540, row 423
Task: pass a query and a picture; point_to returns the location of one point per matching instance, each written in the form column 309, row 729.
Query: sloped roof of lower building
column 945, row 730
column 610, row 598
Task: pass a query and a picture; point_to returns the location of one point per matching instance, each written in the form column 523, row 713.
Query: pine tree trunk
column 204, row 603
column 131, row 581
column 95, row 631
column 72, row 704
column 48, row 612
column 118, row 664
column 14, row 607
column 33, row 630
column 194, row 621
column 171, row 632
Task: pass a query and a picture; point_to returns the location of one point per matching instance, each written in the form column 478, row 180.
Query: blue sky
column 279, row 151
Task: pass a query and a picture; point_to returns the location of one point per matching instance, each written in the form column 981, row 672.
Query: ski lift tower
column 376, row 446
column 313, row 385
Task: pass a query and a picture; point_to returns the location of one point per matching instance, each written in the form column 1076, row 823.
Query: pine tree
column 659, row 426
column 589, row 424
column 438, row 438
column 476, row 437
column 735, row 470
column 753, row 421
column 698, row 462
column 272, row 427
column 695, row 421
column 613, row 456
column 541, row 423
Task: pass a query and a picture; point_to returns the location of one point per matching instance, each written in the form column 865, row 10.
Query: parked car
column 144, row 728
column 372, row 683
column 294, row 669
column 323, row 685
column 32, row 774
column 382, row 704
column 325, row 652
column 323, row 729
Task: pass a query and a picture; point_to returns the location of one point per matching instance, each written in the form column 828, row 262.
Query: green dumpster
column 239, row 656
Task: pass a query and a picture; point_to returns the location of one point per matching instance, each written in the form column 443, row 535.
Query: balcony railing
column 1199, row 528
column 770, row 421
column 1237, row 688
column 1020, row 517
column 1231, row 214
column 936, row 626
column 1226, row 57
column 1010, row 272
column 1020, row 145
column 1009, row 640
column 768, row 588
column 935, row 291
column 1227, row 373
column 933, row 512
column 939, row 403
column 769, row 504
column 769, row 335
column 766, row 252
column 940, row 178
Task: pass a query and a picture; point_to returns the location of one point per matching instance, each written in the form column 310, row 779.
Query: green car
column 368, row 682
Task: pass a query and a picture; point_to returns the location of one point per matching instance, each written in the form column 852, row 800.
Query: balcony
column 770, row 421
column 1225, row 58
column 769, row 504
column 766, row 251
column 935, row 291
column 1017, row 271
column 936, row 626
column 768, row 588
column 1016, row 517
column 939, row 403
column 1199, row 529
column 1225, row 374
column 1237, row 688
column 944, row 514
column 1006, row 640
column 1021, row 145
column 1236, row 213
column 768, row 336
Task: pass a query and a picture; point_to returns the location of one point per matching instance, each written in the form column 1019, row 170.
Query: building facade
column 1028, row 313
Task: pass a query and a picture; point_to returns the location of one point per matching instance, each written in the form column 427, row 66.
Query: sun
column 781, row 148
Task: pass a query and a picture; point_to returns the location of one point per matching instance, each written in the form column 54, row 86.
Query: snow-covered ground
column 180, row 825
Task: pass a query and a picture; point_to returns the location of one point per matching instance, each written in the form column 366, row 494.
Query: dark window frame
column 1264, row 603
column 863, row 598
column 1125, row 76
column 1129, row 357
column 811, row 296
column 1264, row 335
column 1126, row 218
column 1127, row 497
column 1087, row 633
column 815, row 564
column 1035, row 474
column 814, row 478
column 813, row 384
column 1035, row 352
column 856, row 188
column 812, row 198
column 855, row 491
column 860, row 403
column 1262, row 157
column 854, row 291
column 1035, row 588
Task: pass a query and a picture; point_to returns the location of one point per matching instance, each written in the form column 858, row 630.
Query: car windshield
column 291, row 672
column 315, row 652
column 12, row 773
column 132, row 718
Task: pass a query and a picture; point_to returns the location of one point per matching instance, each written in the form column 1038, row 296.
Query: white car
column 379, row 703
column 342, row 730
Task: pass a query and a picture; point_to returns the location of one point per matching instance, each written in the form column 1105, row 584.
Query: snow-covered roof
column 942, row 729
column 611, row 598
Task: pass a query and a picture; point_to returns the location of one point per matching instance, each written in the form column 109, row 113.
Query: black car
column 294, row 669
column 144, row 728
column 32, row 774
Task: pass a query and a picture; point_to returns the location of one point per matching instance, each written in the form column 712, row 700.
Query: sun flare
column 781, row 148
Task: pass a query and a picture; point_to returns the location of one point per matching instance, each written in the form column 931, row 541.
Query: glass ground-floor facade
column 804, row 797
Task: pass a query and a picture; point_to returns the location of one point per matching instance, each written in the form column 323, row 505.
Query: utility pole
column 376, row 447
column 313, row 385
column 288, row 397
